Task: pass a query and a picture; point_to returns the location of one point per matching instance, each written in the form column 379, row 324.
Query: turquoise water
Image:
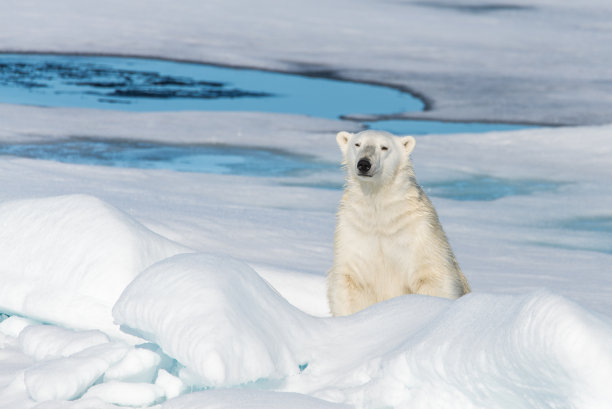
column 238, row 160
column 135, row 84
column 420, row 127
column 138, row 84
column 486, row 188
column 217, row 159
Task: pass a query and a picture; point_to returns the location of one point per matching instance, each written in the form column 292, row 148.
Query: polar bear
column 388, row 239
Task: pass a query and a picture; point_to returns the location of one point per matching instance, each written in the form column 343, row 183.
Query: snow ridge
column 210, row 323
column 66, row 259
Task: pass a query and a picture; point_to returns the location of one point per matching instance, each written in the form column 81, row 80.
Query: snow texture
column 503, row 60
column 506, row 345
column 170, row 384
column 126, row 394
column 245, row 331
column 536, row 331
column 68, row 378
column 51, row 274
column 228, row 327
column 138, row 365
column 249, row 399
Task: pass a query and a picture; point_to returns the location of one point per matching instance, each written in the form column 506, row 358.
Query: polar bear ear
column 408, row 142
column 343, row 138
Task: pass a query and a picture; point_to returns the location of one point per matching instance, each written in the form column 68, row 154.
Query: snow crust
column 245, row 331
column 229, row 328
column 138, row 365
column 46, row 341
column 249, row 399
column 51, row 274
column 67, row 259
column 528, row 61
column 68, row 378
column 126, row 394
column 212, row 321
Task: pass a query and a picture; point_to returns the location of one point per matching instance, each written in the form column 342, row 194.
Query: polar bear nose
column 364, row 165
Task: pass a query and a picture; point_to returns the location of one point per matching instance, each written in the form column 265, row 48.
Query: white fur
column 388, row 239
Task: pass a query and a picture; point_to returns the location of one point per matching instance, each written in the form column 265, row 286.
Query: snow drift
column 217, row 317
column 66, row 259
column 228, row 327
column 213, row 323
column 249, row 399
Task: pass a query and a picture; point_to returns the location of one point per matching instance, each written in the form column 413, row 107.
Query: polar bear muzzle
column 363, row 166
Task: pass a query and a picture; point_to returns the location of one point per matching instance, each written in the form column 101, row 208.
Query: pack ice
column 205, row 330
column 66, row 259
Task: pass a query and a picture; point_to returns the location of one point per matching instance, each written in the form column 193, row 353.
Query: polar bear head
column 375, row 157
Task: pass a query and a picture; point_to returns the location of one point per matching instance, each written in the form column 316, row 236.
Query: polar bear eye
column 358, row 145
column 384, row 148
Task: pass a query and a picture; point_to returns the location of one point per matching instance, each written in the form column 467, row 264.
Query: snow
column 138, row 365
column 241, row 321
column 230, row 328
column 254, row 330
column 209, row 319
column 249, row 399
column 54, row 275
column 126, row 394
column 170, row 384
column 46, row 341
column 537, row 61
column 12, row 326
column 68, row 378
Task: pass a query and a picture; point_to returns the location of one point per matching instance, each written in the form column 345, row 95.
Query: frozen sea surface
column 137, row 84
column 504, row 61
column 220, row 159
column 535, row 332
column 254, row 276
column 202, row 321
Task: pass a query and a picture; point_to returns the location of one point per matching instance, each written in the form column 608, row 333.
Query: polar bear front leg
column 438, row 285
column 347, row 295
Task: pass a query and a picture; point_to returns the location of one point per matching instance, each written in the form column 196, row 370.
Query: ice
column 14, row 394
column 68, row 378
column 46, row 341
column 228, row 327
column 170, row 384
column 88, row 403
column 67, row 259
column 285, row 233
column 138, row 365
column 509, row 344
column 249, row 399
column 301, row 134
column 519, row 351
column 539, row 61
column 245, row 330
column 12, row 326
column 126, row 394
column 14, row 361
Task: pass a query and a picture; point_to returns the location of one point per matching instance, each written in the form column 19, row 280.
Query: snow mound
column 47, row 341
column 228, row 327
column 67, row 259
column 217, row 317
column 139, row 365
column 126, row 394
column 533, row 351
column 68, row 378
column 248, row 399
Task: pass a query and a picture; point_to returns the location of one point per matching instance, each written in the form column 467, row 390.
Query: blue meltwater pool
column 136, row 84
